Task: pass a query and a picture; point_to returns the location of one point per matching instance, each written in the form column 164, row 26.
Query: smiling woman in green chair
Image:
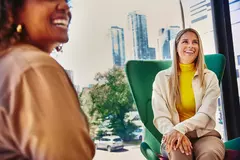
column 184, row 102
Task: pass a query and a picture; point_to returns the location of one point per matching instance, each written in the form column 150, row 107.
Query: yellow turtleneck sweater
column 187, row 107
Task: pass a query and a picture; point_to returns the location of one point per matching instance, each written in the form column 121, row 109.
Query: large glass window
column 104, row 34
column 198, row 15
column 234, row 6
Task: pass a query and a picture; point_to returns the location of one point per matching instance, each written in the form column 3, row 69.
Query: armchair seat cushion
column 232, row 154
column 162, row 158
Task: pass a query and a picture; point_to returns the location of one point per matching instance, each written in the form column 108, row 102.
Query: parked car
column 138, row 134
column 133, row 117
column 109, row 143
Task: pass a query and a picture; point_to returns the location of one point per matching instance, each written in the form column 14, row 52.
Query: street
column 129, row 152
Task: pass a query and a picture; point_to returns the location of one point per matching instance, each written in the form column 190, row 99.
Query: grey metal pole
column 182, row 14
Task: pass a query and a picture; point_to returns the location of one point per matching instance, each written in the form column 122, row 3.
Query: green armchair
column 141, row 74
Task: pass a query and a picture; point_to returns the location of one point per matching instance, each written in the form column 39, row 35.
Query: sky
column 89, row 48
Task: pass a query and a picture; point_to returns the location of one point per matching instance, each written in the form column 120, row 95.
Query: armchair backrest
column 141, row 74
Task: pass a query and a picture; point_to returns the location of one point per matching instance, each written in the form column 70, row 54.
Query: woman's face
column 45, row 22
column 188, row 48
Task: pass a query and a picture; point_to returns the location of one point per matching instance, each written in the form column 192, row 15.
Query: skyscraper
column 165, row 41
column 78, row 89
column 118, row 45
column 198, row 15
column 138, row 26
column 173, row 31
column 70, row 74
column 152, row 53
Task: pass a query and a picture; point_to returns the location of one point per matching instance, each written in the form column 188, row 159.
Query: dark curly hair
column 8, row 13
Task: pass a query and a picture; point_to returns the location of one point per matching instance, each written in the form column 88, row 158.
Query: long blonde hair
column 174, row 85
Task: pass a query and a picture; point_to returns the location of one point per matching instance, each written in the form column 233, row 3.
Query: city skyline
column 89, row 49
column 141, row 50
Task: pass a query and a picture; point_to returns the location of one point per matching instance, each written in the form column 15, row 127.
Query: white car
column 138, row 134
column 109, row 143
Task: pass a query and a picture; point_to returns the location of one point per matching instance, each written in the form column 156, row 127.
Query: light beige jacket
column 166, row 116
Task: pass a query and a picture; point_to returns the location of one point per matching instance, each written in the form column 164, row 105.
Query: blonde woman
column 184, row 102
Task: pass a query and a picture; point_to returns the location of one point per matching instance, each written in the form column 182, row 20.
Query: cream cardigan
column 166, row 116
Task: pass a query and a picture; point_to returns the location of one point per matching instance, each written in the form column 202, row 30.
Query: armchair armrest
column 148, row 153
column 233, row 144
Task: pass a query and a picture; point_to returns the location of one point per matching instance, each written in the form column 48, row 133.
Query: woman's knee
column 211, row 155
column 210, row 148
column 177, row 154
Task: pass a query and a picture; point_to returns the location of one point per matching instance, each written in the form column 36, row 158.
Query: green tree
column 111, row 99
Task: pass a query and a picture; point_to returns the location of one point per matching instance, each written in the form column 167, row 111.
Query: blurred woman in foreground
column 40, row 117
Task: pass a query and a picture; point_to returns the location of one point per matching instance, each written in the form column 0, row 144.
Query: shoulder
column 162, row 78
column 208, row 72
column 209, row 75
column 18, row 60
column 21, row 58
column 211, row 78
column 26, row 56
column 163, row 74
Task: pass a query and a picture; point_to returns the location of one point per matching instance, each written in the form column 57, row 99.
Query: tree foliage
column 111, row 99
